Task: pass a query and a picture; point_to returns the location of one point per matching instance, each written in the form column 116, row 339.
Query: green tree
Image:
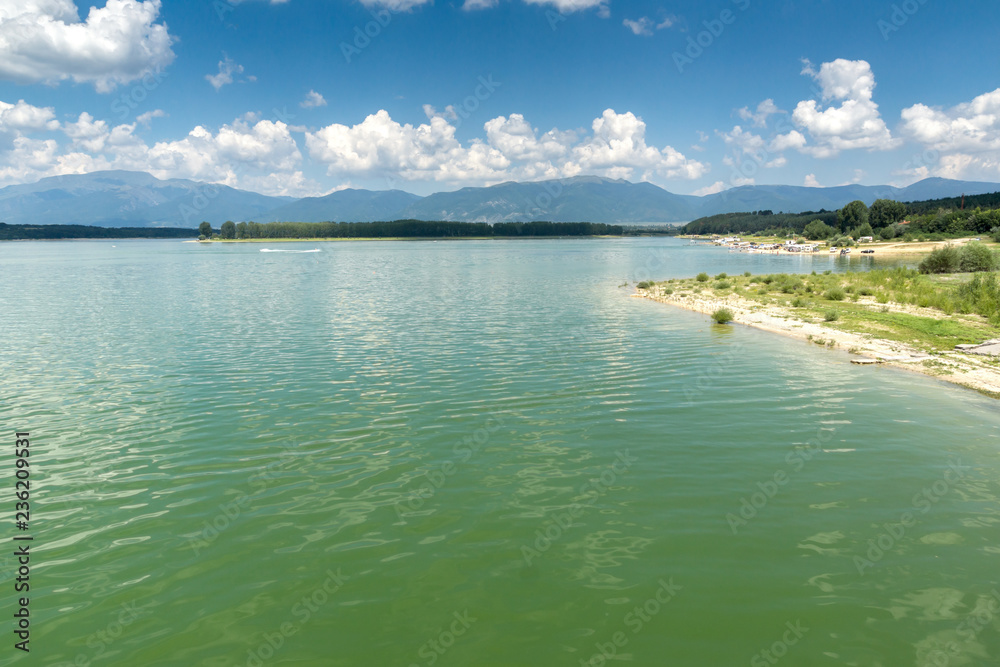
column 885, row 212
column 205, row 229
column 853, row 215
column 229, row 229
column 242, row 230
column 941, row 260
column 817, row 230
column 864, row 230
column 975, row 257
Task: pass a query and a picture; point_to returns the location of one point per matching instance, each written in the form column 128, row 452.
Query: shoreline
column 966, row 370
column 881, row 248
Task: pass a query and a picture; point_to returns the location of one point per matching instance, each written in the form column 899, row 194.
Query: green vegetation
column 884, row 301
column 52, row 232
column 702, row 277
column 645, row 284
column 228, row 230
column 420, row 229
column 722, row 316
column 971, row 258
column 835, row 294
column 817, row 230
column 934, row 220
column 205, row 229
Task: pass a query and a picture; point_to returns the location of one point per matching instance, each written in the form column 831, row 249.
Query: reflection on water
column 324, row 457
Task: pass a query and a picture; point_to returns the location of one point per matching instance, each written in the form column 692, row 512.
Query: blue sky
column 294, row 98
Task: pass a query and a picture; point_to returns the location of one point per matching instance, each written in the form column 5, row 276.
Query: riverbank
column 890, row 317
column 880, row 248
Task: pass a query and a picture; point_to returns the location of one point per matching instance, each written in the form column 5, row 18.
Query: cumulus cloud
column 782, row 142
column 712, row 189
column 45, row 41
column 395, row 5
column 765, row 110
column 513, row 149
column 967, row 136
column 22, row 116
column 227, row 70
column 642, row 26
column 569, row 6
column 854, row 124
column 811, row 182
column 256, row 154
column 312, row 100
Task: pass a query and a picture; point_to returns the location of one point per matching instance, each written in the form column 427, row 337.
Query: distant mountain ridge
column 138, row 199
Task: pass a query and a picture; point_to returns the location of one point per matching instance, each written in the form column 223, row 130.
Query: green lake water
column 474, row 453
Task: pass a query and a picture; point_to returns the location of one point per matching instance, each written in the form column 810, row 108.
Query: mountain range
column 138, row 199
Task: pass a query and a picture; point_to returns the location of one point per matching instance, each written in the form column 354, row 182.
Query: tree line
column 406, row 229
column 54, row 232
column 885, row 219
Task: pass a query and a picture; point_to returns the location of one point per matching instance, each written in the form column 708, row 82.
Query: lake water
column 475, row 453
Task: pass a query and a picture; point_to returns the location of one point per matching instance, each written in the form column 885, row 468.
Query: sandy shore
column 968, row 370
column 887, row 249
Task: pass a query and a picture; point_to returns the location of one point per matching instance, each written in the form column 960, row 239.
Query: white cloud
column 765, row 109
column 712, row 189
column 22, row 116
column 145, row 118
column 966, row 136
column 258, row 155
column 782, row 142
column 45, row 41
column 479, row 4
column 227, row 68
column 811, row 181
column 569, row 6
column 397, row 5
column 513, row 149
column 854, row 124
column 642, row 26
column 777, row 162
column 312, row 100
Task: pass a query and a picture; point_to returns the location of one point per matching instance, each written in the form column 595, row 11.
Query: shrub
column 721, row 276
column 645, row 284
column 941, row 260
column 747, row 274
column 767, row 280
column 996, row 234
column 976, row 257
column 866, row 291
column 982, row 295
column 723, row 284
column 831, row 316
column 799, row 303
column 668, row 291
column 722, row 316
column 702, row 277
column 835, row 294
